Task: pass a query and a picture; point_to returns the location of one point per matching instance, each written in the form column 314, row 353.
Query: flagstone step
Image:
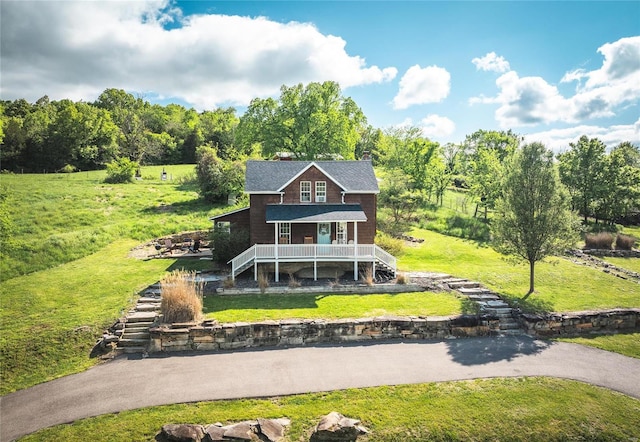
column 133, row 342
column 484, row 298
column 131, row 350
column 136, row 335
column 463, row 285
column 474, row 291
column 147, row 299
column 509, row 325
column 148, row 307
column 141, row 317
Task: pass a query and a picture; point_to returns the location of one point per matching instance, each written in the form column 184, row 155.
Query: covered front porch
column 317, row 234
column 315, row 254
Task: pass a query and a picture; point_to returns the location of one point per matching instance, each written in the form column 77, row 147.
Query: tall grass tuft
column 367, row 276
column 402, row 278
column 625, row 242
column 181, row 297
column 263, row 281
column 293, row 281
column 602, row 240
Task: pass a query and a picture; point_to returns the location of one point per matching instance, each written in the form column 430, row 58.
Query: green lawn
column 65, row 275
column 560, row 284
column 51, row 319
column 58, row 218
column 519, row 409
column 251, row 308
column 627, row 344
column 632, row 264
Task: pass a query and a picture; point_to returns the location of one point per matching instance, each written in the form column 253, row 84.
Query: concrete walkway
column 129, row 383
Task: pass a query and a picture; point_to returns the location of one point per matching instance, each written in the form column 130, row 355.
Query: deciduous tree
column 311, row 122
column 533, row 220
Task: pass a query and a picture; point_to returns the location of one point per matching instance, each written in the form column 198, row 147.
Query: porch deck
column 312, row 253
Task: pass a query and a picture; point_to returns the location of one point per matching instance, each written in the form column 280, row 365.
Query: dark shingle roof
column 314, row 213
column 272, row 176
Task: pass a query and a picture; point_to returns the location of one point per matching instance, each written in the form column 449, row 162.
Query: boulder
column 334, row 427
column 271, row 429
column 181, row 433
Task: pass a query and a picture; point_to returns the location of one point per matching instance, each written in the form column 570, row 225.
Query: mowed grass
column 513, row 409
column 58, row 218
column 561, row 286
column 252, row 308
column 627, row 344
column 632, row 264
column 51, row 319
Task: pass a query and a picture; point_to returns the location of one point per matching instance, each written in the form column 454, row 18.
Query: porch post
column 355, row 250
column 275, row 246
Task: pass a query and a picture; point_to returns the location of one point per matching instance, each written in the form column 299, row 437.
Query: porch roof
column 315, row 213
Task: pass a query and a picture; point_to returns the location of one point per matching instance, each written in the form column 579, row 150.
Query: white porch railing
column 268, row 253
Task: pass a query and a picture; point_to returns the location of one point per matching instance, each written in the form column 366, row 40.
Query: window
column 224, row 226
column 285, row 233
column 321, row 191
column 341, row 232
column 305, row 191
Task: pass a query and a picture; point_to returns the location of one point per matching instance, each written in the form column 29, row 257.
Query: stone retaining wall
column 210, row 335
column 581, row 323
column 613, row 253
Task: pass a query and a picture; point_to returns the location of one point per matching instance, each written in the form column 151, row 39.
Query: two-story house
column 312, row 213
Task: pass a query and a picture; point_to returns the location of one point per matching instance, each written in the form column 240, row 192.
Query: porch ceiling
column 314, row 213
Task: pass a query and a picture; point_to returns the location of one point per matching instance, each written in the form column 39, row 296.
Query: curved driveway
column 129, row 383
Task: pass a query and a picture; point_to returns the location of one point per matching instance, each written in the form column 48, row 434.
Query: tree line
column 308, row 122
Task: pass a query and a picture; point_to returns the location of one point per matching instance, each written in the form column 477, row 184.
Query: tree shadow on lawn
column 532, row 304
column 479, row 351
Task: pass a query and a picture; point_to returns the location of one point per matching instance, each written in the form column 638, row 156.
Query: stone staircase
column 489, row 302
column 134, row 337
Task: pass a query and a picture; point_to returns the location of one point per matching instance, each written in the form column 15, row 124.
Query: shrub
column 625, row 242
column 391, row 245
column 68, row 168
column 226, row 246
column 181, row 297
column 218, row 178
column 602, row 240
column 121, row 170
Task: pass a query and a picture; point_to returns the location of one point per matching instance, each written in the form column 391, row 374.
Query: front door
column 324, row 233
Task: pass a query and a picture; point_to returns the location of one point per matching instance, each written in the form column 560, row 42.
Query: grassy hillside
column 58, row 218
column 66, row 275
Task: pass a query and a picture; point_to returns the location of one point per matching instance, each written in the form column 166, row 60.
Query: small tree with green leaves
column 533, row 219
column 121, row 170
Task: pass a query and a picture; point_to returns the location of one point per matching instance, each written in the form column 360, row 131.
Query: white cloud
column 76, row 49
column 558, row 139
column 422, row 85
column 436, row 126
column 525, row 101
column 491, row 62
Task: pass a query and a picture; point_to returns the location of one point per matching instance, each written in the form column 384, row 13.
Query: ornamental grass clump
column 625, row 242
column 181, row 297
column 602, row 240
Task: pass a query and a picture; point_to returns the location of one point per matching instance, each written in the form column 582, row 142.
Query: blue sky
column 551, row 71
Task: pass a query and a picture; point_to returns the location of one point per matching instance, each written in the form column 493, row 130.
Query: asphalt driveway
column 132, row 382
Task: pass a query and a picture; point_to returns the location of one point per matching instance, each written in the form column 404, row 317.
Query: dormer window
column 305, row 191
column 321, row 191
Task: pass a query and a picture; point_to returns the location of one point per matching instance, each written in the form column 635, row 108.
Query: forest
column 313, row 121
